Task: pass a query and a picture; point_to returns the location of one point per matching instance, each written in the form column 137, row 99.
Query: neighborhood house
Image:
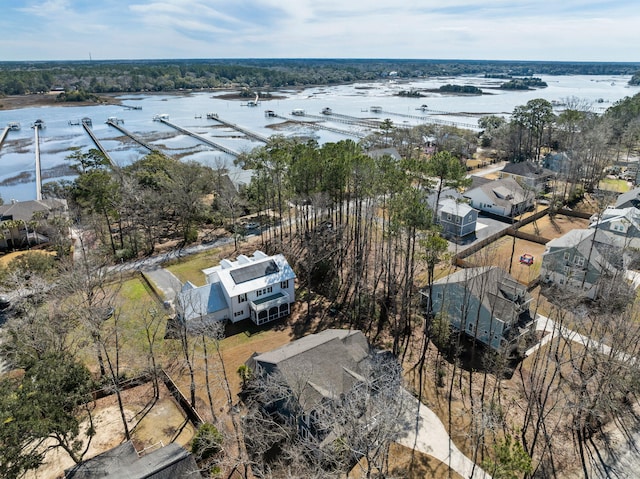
column 316, row 368
column 583, row 257
column 503, row 197
column 486, row 303
column 259, row 287
column 456, row 219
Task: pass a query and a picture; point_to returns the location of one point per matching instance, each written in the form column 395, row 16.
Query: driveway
column 429, row 436
column 165, row 281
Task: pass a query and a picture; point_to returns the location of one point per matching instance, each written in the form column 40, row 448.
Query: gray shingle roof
column 330, row 363
column 168, row 462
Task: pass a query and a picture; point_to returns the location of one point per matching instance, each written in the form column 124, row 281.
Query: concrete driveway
column 429, row 436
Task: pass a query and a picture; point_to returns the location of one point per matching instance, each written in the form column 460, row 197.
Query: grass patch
column 7, row 258
column 191, row 269
column 615, row 185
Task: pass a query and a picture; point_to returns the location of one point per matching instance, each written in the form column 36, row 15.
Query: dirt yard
column 498, row 253
column 149, row 423
column 554, row 228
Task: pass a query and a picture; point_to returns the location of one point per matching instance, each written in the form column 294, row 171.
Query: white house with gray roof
column 259, row 287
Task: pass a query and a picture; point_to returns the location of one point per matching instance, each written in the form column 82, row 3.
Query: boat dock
column 317, row 126
column 36, row 129
column 436, row 121
column 86, row 124
column 350, row 120
column 5, row 132
column 131, row 107
column 250, row 134
column 224, row 149
column 116, row 124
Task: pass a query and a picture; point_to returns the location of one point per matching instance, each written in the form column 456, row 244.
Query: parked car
column 251, row 226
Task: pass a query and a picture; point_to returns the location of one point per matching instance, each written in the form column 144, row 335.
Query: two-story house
column 529, row 174
column 259, row 287
column 486, row 303
column 503, row 197
column 623, row 222
column 583, row 258
column 456, row 218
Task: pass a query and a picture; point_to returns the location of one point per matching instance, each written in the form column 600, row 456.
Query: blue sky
column 587, row 30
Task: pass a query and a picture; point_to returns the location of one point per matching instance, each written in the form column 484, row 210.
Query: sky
column 546, row 30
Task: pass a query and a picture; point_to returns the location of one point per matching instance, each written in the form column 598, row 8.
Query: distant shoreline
column 36, row 100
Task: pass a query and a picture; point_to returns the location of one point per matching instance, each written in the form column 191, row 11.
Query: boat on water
column 212, row 116
column 298, row 112
column 253, row 102
column 39, row 124
column 13, row 125
column 161, row 117
column 327, row 111
column 375, row 109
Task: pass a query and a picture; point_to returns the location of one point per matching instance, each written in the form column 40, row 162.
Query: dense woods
column 18, row 78
column 362, row 240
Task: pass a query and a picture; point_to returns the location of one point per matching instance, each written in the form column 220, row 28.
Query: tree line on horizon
column 114, row 76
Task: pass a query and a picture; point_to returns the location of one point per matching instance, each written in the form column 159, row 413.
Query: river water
column 17, row 156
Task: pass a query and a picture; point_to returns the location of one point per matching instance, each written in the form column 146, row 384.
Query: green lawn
column 611, row 184
column 190, row 269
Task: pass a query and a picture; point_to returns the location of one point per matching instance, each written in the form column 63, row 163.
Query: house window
column 242, row 298
column 263, row 291
column 238, row 313
column 439, row 295
column 566, row 255
column 567, row 270
column 284, row 284
column 579, row 261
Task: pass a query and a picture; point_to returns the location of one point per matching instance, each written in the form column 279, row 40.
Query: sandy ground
column 556, row 227
column 163, row 423
column 498, row 253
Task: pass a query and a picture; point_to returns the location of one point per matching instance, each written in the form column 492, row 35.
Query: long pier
column 36, row 129
column 126, row 132
column 5, row 132
column 224, row 149
column 86, row 124
column 248, row 133
column 437, row 121
column 317, row 126
column 350, row 120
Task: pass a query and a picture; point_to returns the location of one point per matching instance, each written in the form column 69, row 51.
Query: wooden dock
column 436, row 121
column 5, row 132
column 248, row 133
column 87, row 127
column 126, row 132
column 318, row 126
column 36, row 130
column 201, row 138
